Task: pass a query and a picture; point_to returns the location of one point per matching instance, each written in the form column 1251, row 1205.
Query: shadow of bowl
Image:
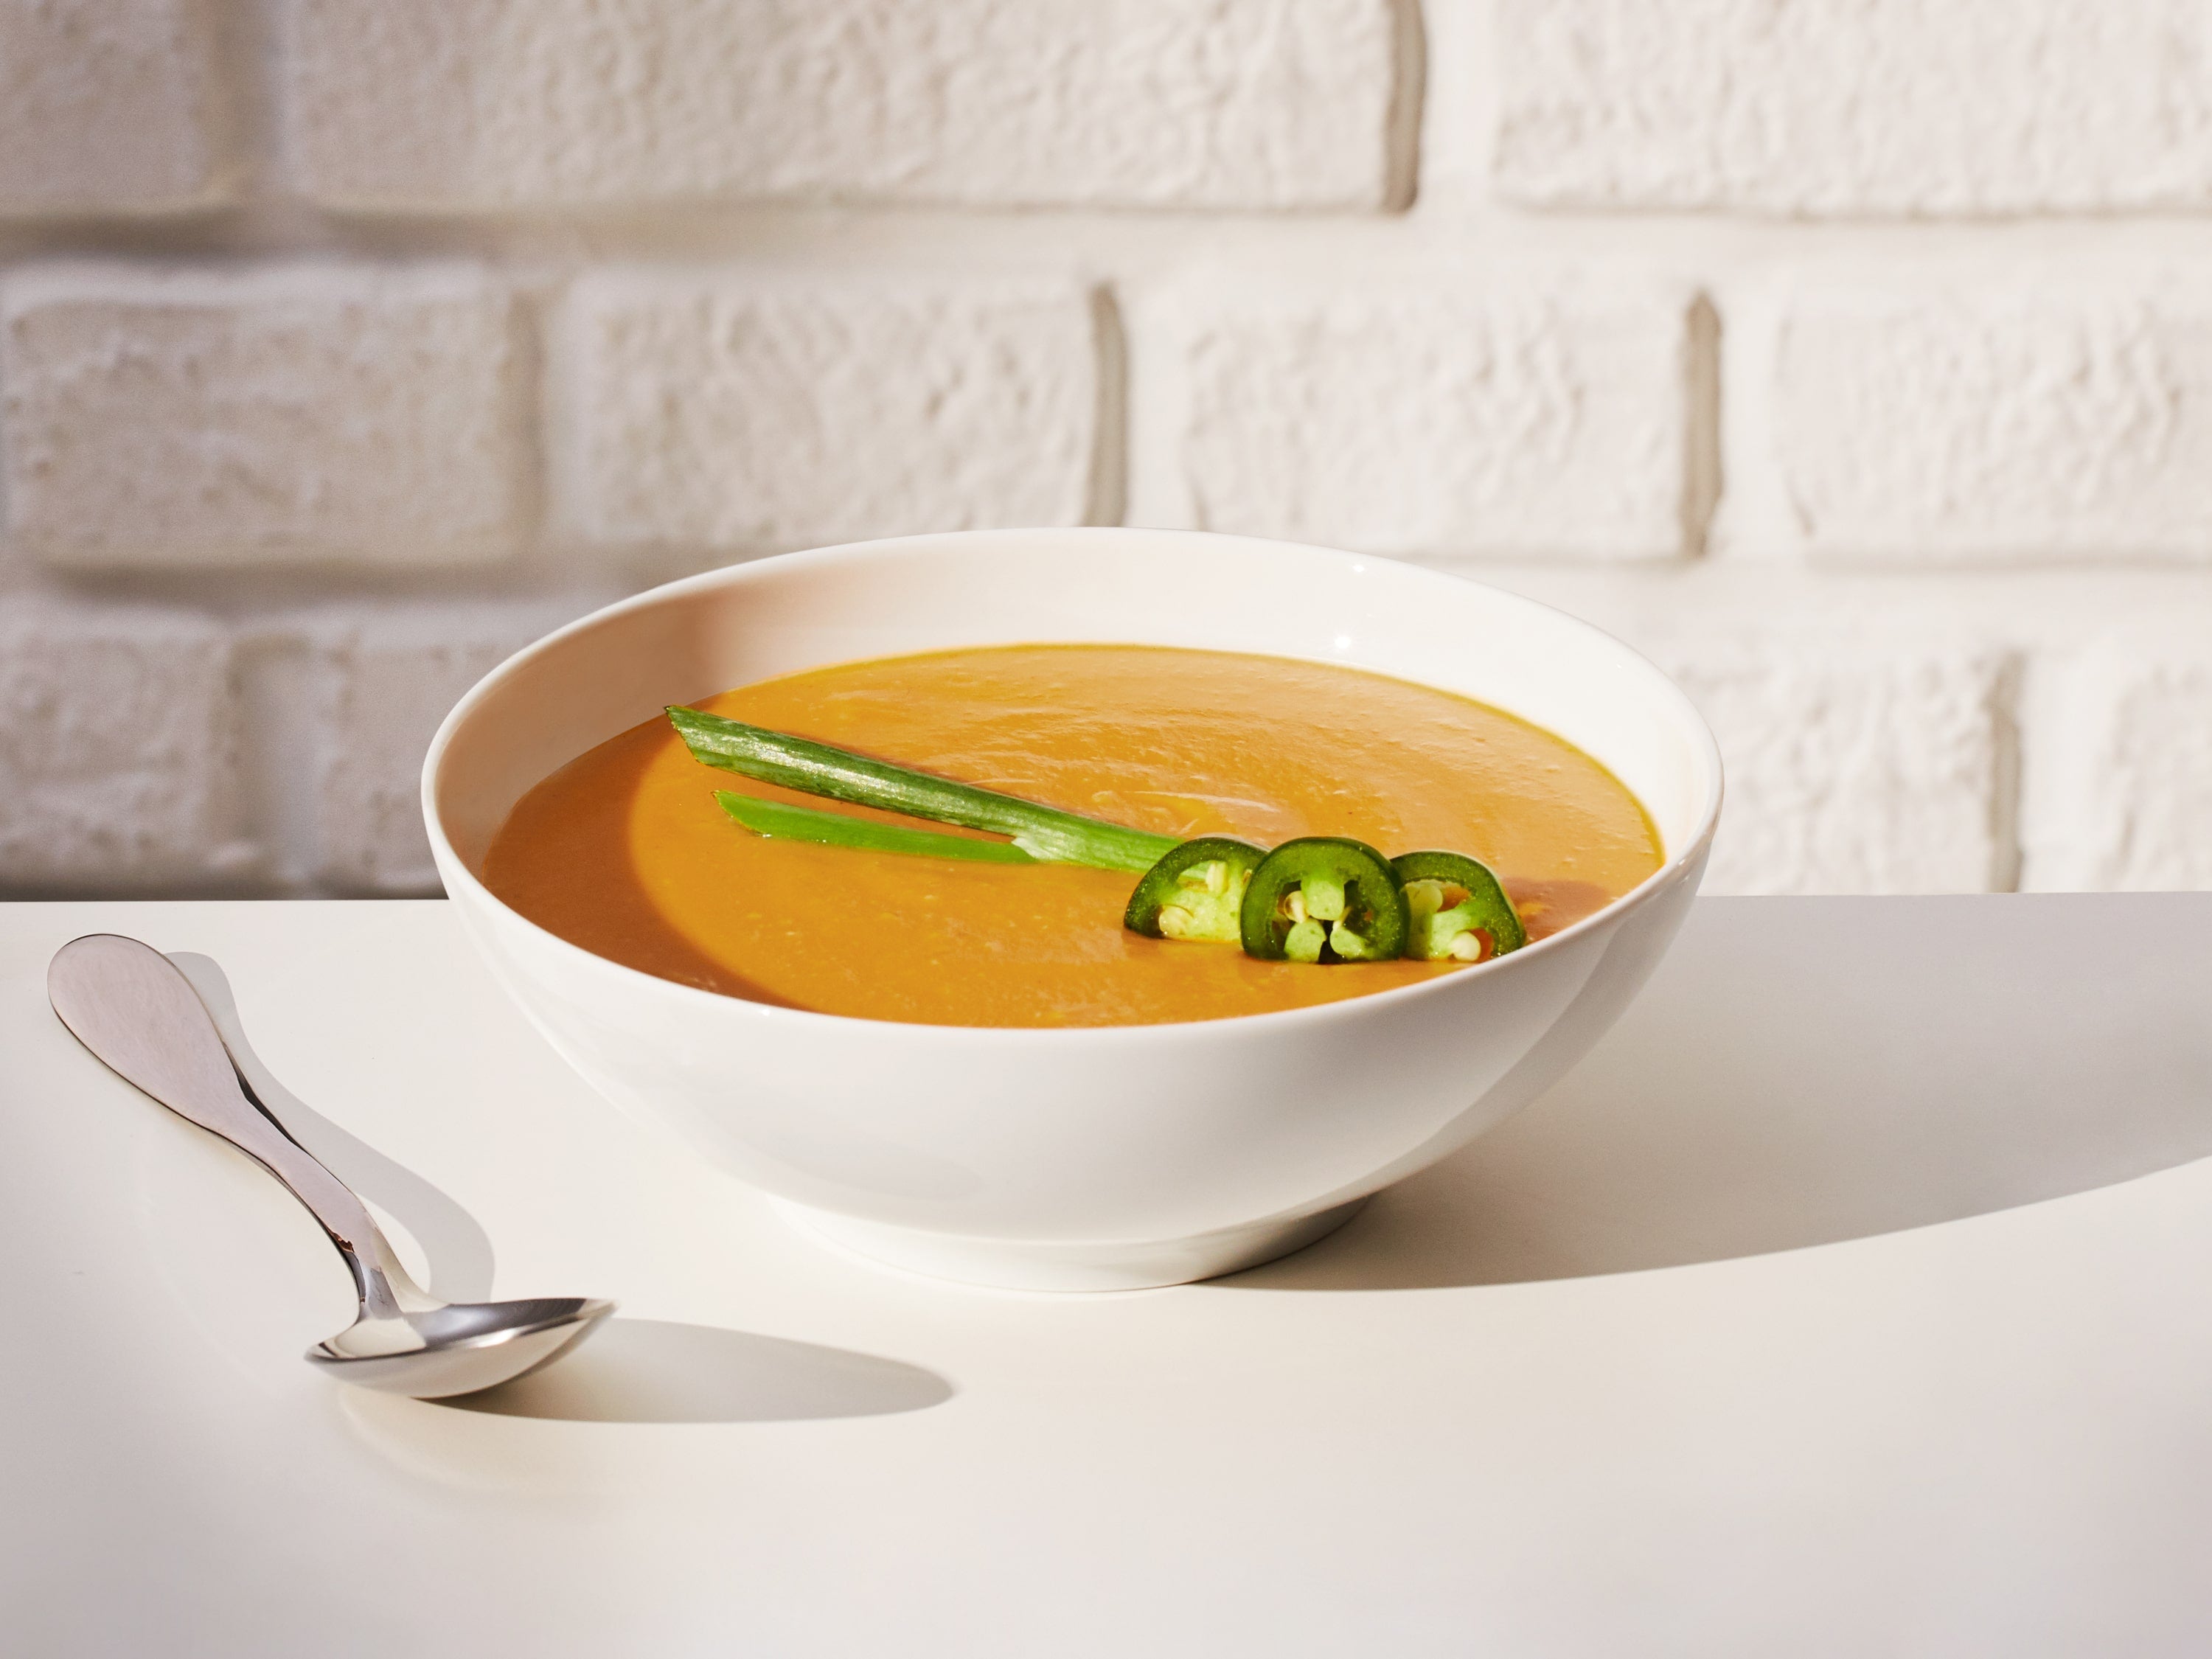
column 1804, row 1071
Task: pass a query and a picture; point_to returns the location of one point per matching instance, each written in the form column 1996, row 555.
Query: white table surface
column 1852, row 1299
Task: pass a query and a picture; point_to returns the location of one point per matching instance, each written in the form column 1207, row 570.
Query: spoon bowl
column 457, row 1347
column 135, row 1010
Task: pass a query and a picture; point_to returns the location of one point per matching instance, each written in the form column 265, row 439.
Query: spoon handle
column 131, row 1007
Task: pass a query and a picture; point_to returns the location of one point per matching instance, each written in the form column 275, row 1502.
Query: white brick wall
column 1433, row 419
column 191, row 419
column 1857, row 763
column 380, row 680
column 2118, row 785
column 737, row 416
column 109, row 104
column 118, row 757
column 345, row 344
column 2024, row 424
column 1855, row 107
column 494, row 103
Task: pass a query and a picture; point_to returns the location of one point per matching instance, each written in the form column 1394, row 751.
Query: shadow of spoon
column 458, row 1250
column 650, row 1370
column 634, row 1371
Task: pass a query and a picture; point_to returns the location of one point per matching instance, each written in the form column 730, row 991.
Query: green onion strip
column 1043, row 833
column 782, row 821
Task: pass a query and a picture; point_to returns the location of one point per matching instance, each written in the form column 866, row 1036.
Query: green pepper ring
column 1494, row 914
column 1156, row 888
column 1375, row 904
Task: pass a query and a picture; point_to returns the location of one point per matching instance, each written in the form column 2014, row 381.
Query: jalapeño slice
column 1196, row 892
column 1323, row 899
column 1458, row 911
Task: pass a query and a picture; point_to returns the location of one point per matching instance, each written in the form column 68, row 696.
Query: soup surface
column 624, row 851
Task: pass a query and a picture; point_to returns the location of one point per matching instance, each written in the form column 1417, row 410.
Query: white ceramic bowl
column 1103, row 1158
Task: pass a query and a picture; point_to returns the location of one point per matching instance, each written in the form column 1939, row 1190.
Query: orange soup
column 624, row 851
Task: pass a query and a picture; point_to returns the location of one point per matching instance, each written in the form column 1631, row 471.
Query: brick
column 117, row 761
column 471, row 104
column 1410, row 421
column 1855, row 763
column 296, row 415
column 1885, row 107
column 2117, row 784
column 382, row 681
column 109, row 106
column 739, row 415
column 1994, row 425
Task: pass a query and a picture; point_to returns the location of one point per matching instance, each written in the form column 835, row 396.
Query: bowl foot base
column 1015, row 1265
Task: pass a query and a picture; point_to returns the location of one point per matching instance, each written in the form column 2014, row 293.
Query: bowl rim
column 451, row 865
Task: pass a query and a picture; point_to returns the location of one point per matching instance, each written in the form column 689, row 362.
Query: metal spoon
column 129, row 1004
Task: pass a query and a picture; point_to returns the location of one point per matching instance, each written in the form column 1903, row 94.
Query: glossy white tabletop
column 1852, row 1298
